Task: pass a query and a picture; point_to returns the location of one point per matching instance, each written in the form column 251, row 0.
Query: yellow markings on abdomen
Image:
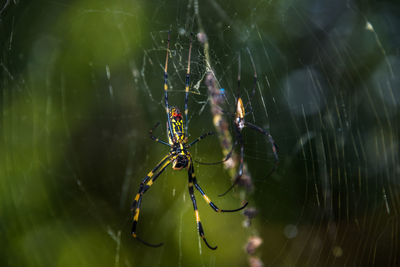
column 196, row 212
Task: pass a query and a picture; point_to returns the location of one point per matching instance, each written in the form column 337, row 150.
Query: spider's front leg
column 154, row 138
column 201, row 137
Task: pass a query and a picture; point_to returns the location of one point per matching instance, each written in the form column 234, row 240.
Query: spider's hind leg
column 144, row 186
column 196, row 212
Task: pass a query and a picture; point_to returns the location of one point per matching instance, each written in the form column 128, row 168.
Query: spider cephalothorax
column 176, row 114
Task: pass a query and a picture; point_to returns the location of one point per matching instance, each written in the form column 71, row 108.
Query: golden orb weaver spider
column 239, row 124
column 178, row 155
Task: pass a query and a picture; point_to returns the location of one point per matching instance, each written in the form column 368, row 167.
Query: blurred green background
column 81, row 85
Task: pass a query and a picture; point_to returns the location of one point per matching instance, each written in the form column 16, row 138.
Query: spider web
column 82, row 83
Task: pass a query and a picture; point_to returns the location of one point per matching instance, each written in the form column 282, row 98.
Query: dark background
column 81, row 85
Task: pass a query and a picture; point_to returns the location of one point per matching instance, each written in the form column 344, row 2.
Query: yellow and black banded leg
column 145, row 180
column 156, row 138
column 166, row 88
column 144, row 186
column 187, row 83
column 196, row 212
column 212, row 205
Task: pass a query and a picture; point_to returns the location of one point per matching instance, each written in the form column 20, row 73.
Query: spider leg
column 156, row 138
column 270, row 139
column 201, row 137
column 187, row 83
column 240, row 172
column 274, row 150
column 207, row 199
column 196, row 212
column 146, row 179
column 144, row 186
column 166, row 88
column 228, row 156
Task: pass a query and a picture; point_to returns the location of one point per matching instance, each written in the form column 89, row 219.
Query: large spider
column 178, row 155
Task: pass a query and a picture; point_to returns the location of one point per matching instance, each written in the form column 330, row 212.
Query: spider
column 179, row 156
column 240, row 123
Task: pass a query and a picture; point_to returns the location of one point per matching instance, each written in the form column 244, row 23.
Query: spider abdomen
column 177, row 124
column 180, row 162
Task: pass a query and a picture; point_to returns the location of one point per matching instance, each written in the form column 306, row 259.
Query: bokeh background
column 81, row 85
